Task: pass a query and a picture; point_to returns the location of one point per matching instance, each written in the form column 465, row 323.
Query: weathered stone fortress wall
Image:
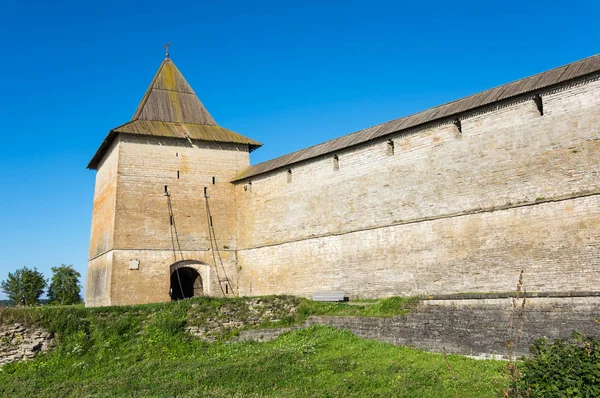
column 448, row 211
column 130, row 200
column 473, row 193
column 477, row 327
column 102, row 236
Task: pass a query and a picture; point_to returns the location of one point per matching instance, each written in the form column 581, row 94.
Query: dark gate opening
column 185, row 283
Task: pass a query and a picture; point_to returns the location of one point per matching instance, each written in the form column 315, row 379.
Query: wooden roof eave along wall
column 97, row 158
column 173, row 130
column 442, row 114
column 185, row 130
column 93, row 164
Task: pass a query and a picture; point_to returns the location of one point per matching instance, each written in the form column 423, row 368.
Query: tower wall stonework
column 139, row 172
column 105, row 196
column 103, row 226
column 451, row 210
column 151, row 282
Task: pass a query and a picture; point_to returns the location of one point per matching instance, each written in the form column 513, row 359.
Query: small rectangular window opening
column 177, row 174
column 214, row 180
column 336, row 162
column 166, row 189
column 539, row 104
column 390, row 147
column 458, row 125
column 226, row 289
column 177, row 154
column 289, row 175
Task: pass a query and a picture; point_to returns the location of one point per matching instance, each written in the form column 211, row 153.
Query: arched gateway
column 186, row 280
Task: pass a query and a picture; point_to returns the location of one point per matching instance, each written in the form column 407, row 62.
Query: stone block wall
column 103, row 214
column 143, row 229
column 147, row 164
column 439, row 209
column 99, row 280
column 19, row 342
column 475, row 327
column 448, row 211
column 151, row 282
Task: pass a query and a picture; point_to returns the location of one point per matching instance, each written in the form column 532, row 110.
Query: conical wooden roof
column 171, row 99
column 170, row 108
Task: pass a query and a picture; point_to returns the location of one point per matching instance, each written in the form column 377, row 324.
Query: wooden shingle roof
column 447, row 112
column 170, row 108
column 171, row 99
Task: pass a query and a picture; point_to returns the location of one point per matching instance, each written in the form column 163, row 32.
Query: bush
column 564, row 368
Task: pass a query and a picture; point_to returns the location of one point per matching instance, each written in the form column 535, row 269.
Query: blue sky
column 288, row 74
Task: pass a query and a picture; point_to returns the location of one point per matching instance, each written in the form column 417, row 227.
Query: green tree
column 24, row 286
column 64, row 286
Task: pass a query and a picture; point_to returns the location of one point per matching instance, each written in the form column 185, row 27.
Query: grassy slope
column 143, row 351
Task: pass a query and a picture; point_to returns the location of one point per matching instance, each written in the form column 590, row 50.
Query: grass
column 253, row 312
column 143, row 351
column 388, row 307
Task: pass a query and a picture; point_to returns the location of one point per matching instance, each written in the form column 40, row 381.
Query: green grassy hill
column 144, row 351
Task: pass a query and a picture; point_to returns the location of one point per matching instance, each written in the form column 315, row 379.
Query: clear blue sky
column 288, row 74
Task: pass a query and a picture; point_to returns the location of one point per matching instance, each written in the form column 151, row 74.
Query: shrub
column 564, row 368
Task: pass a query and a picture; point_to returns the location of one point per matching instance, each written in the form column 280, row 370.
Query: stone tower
column 164, row 213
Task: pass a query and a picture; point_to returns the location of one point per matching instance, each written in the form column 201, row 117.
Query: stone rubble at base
column 19, row 342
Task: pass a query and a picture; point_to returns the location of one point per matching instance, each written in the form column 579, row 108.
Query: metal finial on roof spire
column 166, row 47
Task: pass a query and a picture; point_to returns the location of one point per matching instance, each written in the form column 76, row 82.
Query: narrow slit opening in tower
column 390, row 147
column 539, row 104
column 185, row 283
column 458, row 125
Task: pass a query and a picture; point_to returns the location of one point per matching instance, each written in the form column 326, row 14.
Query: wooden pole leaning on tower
column 174, row 237
column 215, row 248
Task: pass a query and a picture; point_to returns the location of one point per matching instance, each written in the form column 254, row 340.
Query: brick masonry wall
column 147, row 164
column 142, row 226
column 103, row 214
column 103, row 230
column 151, row 282
column 447, row 212
column 477, row 327
column 99, row 279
